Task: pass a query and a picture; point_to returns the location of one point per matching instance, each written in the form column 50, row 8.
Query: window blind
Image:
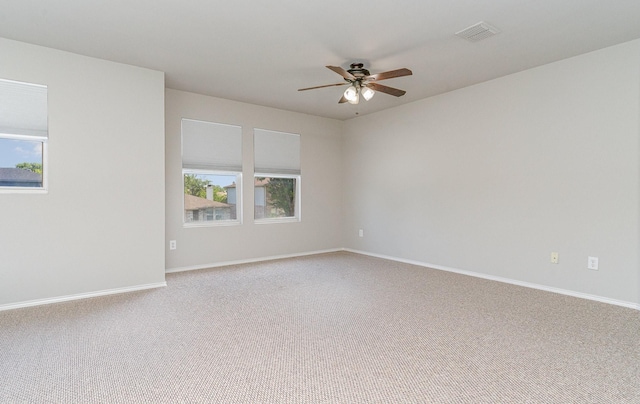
column 23, row 109
column 211, row 146
column 276, row 152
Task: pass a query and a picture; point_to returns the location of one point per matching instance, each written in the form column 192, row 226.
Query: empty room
column 331, row 202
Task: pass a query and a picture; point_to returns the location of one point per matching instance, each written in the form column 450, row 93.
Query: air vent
column 478, row 32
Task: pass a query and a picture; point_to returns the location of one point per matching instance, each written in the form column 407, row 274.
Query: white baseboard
column 40, row 302
column 572, row 293
column 250, row 260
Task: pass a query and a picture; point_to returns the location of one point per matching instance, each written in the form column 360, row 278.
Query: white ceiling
column 261, row 52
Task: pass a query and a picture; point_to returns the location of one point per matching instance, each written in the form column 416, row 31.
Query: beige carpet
column 332, row 328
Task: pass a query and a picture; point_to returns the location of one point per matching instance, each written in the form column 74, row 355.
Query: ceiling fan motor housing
column 358, row 71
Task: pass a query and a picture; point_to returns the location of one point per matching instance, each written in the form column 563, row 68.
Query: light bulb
column 351, row 94
column 367, row 93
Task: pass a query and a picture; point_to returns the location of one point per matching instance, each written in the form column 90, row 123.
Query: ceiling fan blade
column 342, row 72
column 326, row 85
column 386, row 90
column 342, row 100
column 390, row 74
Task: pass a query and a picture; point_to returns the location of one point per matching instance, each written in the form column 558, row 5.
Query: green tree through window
column 193, row 185
column 35, row 167
column 283, row 195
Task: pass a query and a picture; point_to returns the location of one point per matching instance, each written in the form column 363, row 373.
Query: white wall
column 101, row 225
column 321, row 166
column 492, row 178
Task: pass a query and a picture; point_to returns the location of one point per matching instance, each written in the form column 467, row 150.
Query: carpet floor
column 329, row 328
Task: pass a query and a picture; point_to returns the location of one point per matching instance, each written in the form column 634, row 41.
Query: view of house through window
column 23, row 135
column 209, row 197
column 275, row 197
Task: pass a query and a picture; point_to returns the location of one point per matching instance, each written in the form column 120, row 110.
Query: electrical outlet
column 554, row 257
column 592, row 263
column 172, row 245
column 361, row 233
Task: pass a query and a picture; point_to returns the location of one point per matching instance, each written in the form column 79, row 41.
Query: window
column 210, row 197
column 211, row 173
column 277, row 176
column 23, row 137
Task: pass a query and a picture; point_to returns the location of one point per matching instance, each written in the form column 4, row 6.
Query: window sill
column 18, row 190
column 211, row 224
column 277, row 220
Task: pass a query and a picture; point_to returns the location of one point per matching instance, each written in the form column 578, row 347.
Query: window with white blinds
column 211, row 173
column 277, row 176
column 276, row 152
column 23, row 136
column 211, row 146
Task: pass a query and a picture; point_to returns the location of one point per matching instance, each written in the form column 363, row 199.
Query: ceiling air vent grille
column 478, row 32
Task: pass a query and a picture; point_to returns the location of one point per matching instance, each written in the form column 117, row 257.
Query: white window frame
column 43, row 139
column 287, row 219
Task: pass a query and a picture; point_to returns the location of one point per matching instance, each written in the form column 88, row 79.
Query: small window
column 211, row 173
column 23, row 136
column 277, row 176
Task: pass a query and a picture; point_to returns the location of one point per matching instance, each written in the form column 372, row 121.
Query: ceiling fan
column 362, row 83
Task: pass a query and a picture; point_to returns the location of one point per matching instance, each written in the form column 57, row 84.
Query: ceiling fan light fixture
column 367, row 93
column 351, row 95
